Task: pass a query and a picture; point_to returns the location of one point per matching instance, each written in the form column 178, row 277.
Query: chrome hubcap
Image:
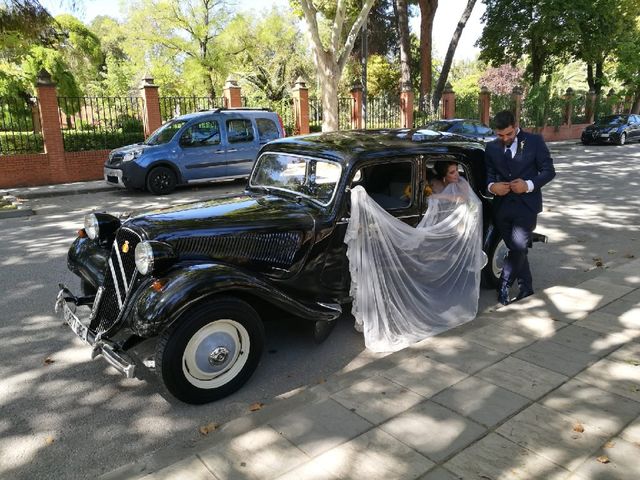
column 218, row 356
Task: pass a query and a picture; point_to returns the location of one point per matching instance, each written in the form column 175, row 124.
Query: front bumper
column 109, row 351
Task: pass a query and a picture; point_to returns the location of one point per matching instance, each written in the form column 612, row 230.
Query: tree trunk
column 427, row 13
column 327, row 70
column 590, row 81
column 635, row 109
column 405, row 44
column 599, row 78
column 448, row 59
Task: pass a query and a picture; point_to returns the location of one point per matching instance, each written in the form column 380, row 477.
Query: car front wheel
column 161, row 180
column 623, row 139
column 211, row 351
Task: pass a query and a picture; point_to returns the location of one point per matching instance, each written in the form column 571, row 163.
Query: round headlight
column 144, row 257
column 91, row 226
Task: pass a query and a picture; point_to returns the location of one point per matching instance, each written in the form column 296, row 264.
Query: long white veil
column 411, row 283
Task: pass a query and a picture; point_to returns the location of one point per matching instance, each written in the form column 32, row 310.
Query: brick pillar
column 152, row 118
column 232, row 93
column 568, row 107
column 485, row 105
column 51, row 128
column 516, row 99
column 448, row 102
column 406, row 106
column 590, row 107
column 356, row 106
column 301, row 107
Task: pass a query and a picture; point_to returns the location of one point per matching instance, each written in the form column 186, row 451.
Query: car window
column 165, row 133
column 468, row 128
column 239, row 130
column 316, row 179
column 482, row 130
column 389, row 184
column 456, row 128
column 267, row 129
column 201, row 134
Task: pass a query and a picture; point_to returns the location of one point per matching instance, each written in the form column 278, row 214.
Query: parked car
column 612, row 129
column 195, row 280
column 211, row 145
column 464, row 127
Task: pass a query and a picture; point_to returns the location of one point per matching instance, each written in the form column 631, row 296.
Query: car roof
column 355, row 146
column 224, row 111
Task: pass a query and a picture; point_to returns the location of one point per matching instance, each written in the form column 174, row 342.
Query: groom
column 518, row 165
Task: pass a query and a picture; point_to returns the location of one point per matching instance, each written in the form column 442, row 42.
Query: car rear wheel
column 161, row 180
column 623, row 139
column 496, row 253
column 211, row 351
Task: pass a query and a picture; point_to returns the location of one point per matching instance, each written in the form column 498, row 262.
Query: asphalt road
column 65, row 416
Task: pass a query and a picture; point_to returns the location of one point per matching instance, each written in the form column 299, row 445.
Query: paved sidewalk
column 546, row 388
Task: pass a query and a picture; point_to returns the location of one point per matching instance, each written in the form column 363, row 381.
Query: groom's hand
column 518, row 186
column 500, row 188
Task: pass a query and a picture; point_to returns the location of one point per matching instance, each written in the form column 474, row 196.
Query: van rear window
column 239, row 130
column 267, row 130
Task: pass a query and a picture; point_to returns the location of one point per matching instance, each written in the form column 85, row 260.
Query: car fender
column 160, row 303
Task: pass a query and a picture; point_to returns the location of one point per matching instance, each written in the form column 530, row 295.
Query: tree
column 271, row 56
column 628, row 69
column 181, row 35
column 330, row 60
column 594, row 29
column 405, row 44
column 448, row 59
column 530, row 28
column 427, row 14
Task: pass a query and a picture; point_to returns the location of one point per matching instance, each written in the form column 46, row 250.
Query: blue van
column 217, row 144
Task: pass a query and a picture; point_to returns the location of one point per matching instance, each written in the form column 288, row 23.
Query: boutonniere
column 522, row 146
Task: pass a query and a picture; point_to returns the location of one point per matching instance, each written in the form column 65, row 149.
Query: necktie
column 508, row 155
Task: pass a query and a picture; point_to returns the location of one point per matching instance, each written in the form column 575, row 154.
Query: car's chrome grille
column 119, row 276
column 276, row 249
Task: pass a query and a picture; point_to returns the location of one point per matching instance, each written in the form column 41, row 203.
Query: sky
column 445, row 22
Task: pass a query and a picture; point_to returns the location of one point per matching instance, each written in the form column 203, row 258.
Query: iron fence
column 315, row 114
column 383, row 111
column 424, row 112
column 579, row 108
column 20, row 126
column 284, row 108
column 468, row 106
column 95, row 123
column 174, row 106
column 345, row 108
column 538, row 111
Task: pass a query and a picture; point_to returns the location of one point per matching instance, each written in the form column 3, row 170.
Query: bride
column 411, row 283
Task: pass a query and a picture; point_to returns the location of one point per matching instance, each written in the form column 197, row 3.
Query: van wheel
column 496, row 253
column 211, row 351
column 161, row 180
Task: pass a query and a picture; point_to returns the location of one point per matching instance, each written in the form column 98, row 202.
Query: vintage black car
column 196, row 278
column 618, row 129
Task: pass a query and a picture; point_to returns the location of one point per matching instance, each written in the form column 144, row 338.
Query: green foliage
column 20, row 142
column 75, row 141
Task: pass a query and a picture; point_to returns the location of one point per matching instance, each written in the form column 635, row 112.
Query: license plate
column 604, row 135
column 74, row 323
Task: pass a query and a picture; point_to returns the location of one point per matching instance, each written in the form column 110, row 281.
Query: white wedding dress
column 411, row 283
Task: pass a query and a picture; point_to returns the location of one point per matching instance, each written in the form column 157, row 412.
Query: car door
column 392, row 183
column 202, row 155
column 242, row 146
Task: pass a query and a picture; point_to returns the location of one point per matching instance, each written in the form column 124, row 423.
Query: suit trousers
column 516, row 222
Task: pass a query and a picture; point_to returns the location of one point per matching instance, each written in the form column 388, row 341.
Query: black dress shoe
column 523, row 294
column 503, row 295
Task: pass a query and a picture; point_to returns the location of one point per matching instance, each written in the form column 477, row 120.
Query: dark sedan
column 464, row 127
column 617, row 129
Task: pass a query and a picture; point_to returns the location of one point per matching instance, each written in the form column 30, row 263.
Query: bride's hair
column 441, row 168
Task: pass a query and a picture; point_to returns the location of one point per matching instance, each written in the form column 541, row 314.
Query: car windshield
column 612, row 120
column 312, row 178
column 165, row 133
column 438, row 126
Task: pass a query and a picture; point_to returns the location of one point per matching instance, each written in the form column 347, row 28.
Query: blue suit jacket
column 531, row 162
